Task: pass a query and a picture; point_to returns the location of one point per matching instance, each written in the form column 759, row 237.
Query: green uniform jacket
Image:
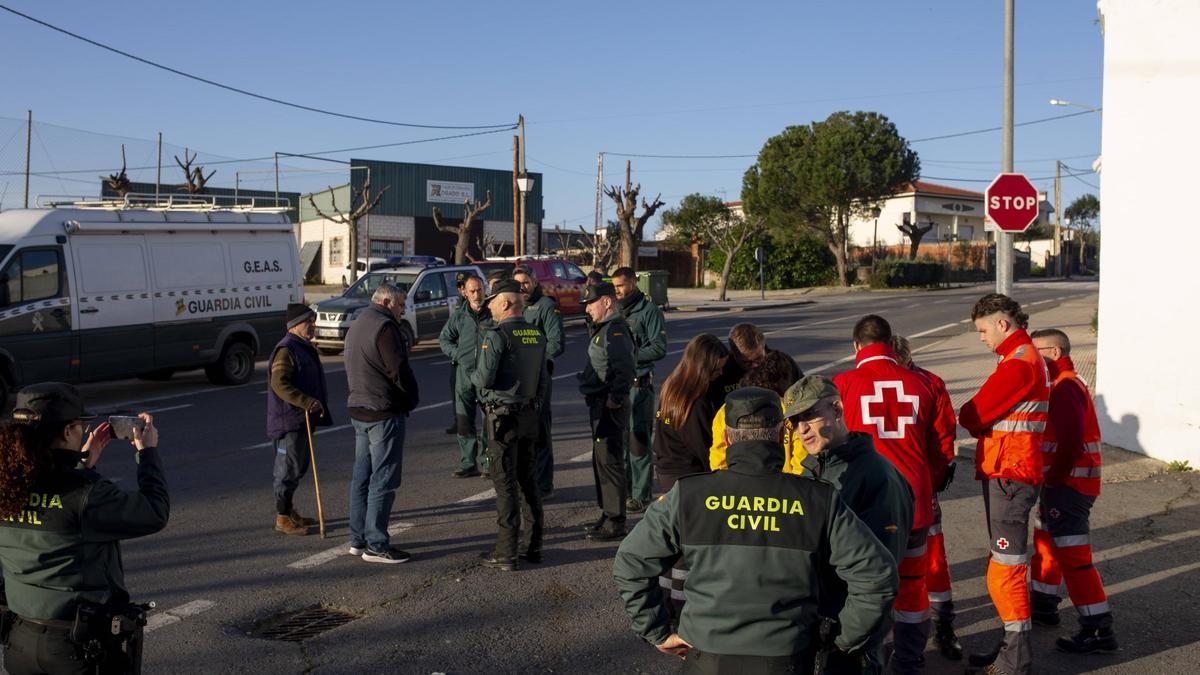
column 873, row 488
column 512, row 364
column 64, row 546
column 462, row 334
column 649, row 328
column 542, row 312
column 609, row 370
column 756, row 541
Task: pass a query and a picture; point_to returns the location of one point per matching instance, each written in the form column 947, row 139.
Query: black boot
column 1046, row 617
column 982, row 660
column 1088, row 641
column 946, row 640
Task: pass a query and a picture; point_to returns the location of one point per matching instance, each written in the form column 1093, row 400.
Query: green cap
column 594, row 293
column 752, row 408
column 806, row 393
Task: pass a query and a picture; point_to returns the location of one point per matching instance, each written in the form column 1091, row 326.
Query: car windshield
column 365, row 287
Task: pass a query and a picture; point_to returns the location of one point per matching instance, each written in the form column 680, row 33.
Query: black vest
column 521, row 363
column 366, row 375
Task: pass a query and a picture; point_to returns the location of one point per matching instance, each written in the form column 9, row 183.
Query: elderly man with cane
column 296, row 401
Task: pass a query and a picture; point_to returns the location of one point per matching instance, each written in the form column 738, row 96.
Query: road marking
column 170, row 616
column 580, row 458
column 1041, row 302
column 815, row 323
column 168, row 409
column 341, row 549
column 489, row 493
column 933, row 330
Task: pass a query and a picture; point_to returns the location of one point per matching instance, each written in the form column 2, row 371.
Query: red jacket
column 1071, row 446
column 944, row 422
column 897, row 408
column 1008, row 414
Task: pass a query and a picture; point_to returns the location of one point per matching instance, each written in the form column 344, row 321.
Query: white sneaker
column 357, row 550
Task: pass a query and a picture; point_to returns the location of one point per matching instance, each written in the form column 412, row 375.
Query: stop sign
column 1011, row 202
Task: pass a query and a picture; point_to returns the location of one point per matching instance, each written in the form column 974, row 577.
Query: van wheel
column 160, row 375
column 236, row 365
column 406, row 334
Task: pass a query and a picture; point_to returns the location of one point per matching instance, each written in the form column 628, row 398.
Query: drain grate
column 304, row 624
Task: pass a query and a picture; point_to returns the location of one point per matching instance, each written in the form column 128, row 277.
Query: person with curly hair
column 776, row 372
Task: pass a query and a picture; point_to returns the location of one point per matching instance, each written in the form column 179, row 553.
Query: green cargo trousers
column 639, row 455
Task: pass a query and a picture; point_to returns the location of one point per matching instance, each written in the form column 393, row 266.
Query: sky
column 648, row 78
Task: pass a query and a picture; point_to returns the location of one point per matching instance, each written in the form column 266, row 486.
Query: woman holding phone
column 60, row 529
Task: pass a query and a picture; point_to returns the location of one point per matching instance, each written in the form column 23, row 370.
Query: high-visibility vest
column 1012, row 446
column 1085, row 473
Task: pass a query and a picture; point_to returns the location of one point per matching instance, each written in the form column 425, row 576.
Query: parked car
column 561, row 279
column 96, row 290
column 364, row 265
column 432, row 294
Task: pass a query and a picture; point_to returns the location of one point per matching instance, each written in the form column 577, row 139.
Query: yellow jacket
column 793, row 450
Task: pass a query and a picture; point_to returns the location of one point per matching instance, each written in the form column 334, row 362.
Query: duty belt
column 499, row 409
column 644, row 381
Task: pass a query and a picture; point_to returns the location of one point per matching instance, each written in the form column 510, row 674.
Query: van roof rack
column 171, row 202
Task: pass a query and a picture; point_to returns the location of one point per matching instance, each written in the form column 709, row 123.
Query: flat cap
column 503, row 286
column 806, row 393
column 594, row 293
column 753, row 408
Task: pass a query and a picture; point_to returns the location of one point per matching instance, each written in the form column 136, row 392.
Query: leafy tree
column 796, row 263
column 706, row 220
column 1084, row 211
column 810, row 179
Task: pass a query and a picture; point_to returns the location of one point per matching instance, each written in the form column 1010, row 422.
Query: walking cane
column 312, row 453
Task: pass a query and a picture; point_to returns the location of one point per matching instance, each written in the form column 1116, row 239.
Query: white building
column 1148, row 397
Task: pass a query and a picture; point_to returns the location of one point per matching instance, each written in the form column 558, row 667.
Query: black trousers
column 34, row 649
column 511, row 438
column 700, row 663
column 609, row 427
column 291, row 463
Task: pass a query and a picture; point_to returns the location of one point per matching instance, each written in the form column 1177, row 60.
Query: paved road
column 219, row 573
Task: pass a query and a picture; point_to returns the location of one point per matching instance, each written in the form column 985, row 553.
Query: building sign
column 448, row 192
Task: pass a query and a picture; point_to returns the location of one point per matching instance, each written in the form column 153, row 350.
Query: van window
column 180, row 265
column 32, row 274
column 434, row 284
column 111, row 267
column 558, row 270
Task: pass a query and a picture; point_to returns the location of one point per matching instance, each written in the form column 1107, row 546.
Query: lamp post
column 524, row 185
column 1061, row 102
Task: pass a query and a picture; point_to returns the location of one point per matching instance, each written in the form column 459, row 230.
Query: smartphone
column 123, row 426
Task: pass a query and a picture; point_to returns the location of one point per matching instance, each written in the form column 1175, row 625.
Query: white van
column 104, row 289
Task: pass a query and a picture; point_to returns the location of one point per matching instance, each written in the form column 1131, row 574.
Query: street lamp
column 524, row 185
column 1061, row 102
column 875, row 246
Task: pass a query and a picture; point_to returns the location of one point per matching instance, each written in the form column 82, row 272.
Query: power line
column 989, row 180
column 237, row 90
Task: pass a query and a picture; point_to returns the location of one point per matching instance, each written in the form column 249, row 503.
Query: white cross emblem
column 38, row 322
column 890, row 409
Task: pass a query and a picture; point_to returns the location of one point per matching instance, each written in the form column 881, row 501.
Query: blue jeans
column 378, row 459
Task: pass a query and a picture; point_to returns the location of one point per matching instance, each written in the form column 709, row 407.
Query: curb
column 717, row 307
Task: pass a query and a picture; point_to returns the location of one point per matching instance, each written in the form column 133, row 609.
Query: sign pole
column 1004, row 252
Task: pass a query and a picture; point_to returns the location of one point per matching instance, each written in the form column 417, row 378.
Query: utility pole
column 28, row 142
column 524, row 194
column 599, row 194
column 1056, row 248
column 158, row 173
column 1004, row 252
column 516, row 197
column 352, row 263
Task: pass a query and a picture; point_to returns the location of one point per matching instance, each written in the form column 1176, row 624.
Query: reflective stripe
column 678, row 595
column 1043, row 588
column 664, row 582
column 1031, row 407
column 1036, row 520
column 1049, row 446
column 1071, row 540
column 1085, row 472
column 1093, row 610
column 1028, row 426
column 1018, row 626
column 916, row 552
column 1092, row 448
column 1010, row 559
column 677, row 573
column 940, row 596
column 911, row 617
column 935, row 529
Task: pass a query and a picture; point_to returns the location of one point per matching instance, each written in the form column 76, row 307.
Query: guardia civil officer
column 649, row 329
column 755, row 541
column 60, row 529
column 542, row 312
column 605, row 382
column 510, row 376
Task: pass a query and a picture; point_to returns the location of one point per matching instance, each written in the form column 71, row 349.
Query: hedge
column 898, row 273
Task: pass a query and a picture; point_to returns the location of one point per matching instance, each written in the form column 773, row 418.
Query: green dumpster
column 654, row 284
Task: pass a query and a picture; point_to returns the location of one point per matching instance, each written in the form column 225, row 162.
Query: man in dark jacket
column 297, row 391
column 541, row 311
column 459, row 340
column 383, row 391
column 869, row 484
column 747, row 350
column 649, row 329
column 756, row 542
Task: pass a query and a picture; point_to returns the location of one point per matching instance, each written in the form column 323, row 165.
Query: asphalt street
column 220, row 575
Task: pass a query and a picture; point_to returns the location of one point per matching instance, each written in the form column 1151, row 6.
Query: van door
column 35, row 316
column 430, row 305
column 116, row 312
column 185, row 269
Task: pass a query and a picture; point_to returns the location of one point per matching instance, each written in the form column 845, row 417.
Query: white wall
column 1148, row 379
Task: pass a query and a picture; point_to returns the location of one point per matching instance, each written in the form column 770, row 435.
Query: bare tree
column 462, row 231
column 365, row 205
column 728, row 233
column 630, row 226
column 915, row 232
column 196, row 180
column 119, row 182
column 603, row 249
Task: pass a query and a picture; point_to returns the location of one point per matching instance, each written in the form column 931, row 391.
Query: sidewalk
column 1145, row 528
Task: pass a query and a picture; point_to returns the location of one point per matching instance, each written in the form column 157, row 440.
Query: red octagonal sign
column 1011, row 202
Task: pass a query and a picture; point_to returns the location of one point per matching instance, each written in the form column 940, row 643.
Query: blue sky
column 681, row 78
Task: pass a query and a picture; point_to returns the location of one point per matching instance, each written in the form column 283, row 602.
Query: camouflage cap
column 752, row 408
column 806, row 393
column 594, row 293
